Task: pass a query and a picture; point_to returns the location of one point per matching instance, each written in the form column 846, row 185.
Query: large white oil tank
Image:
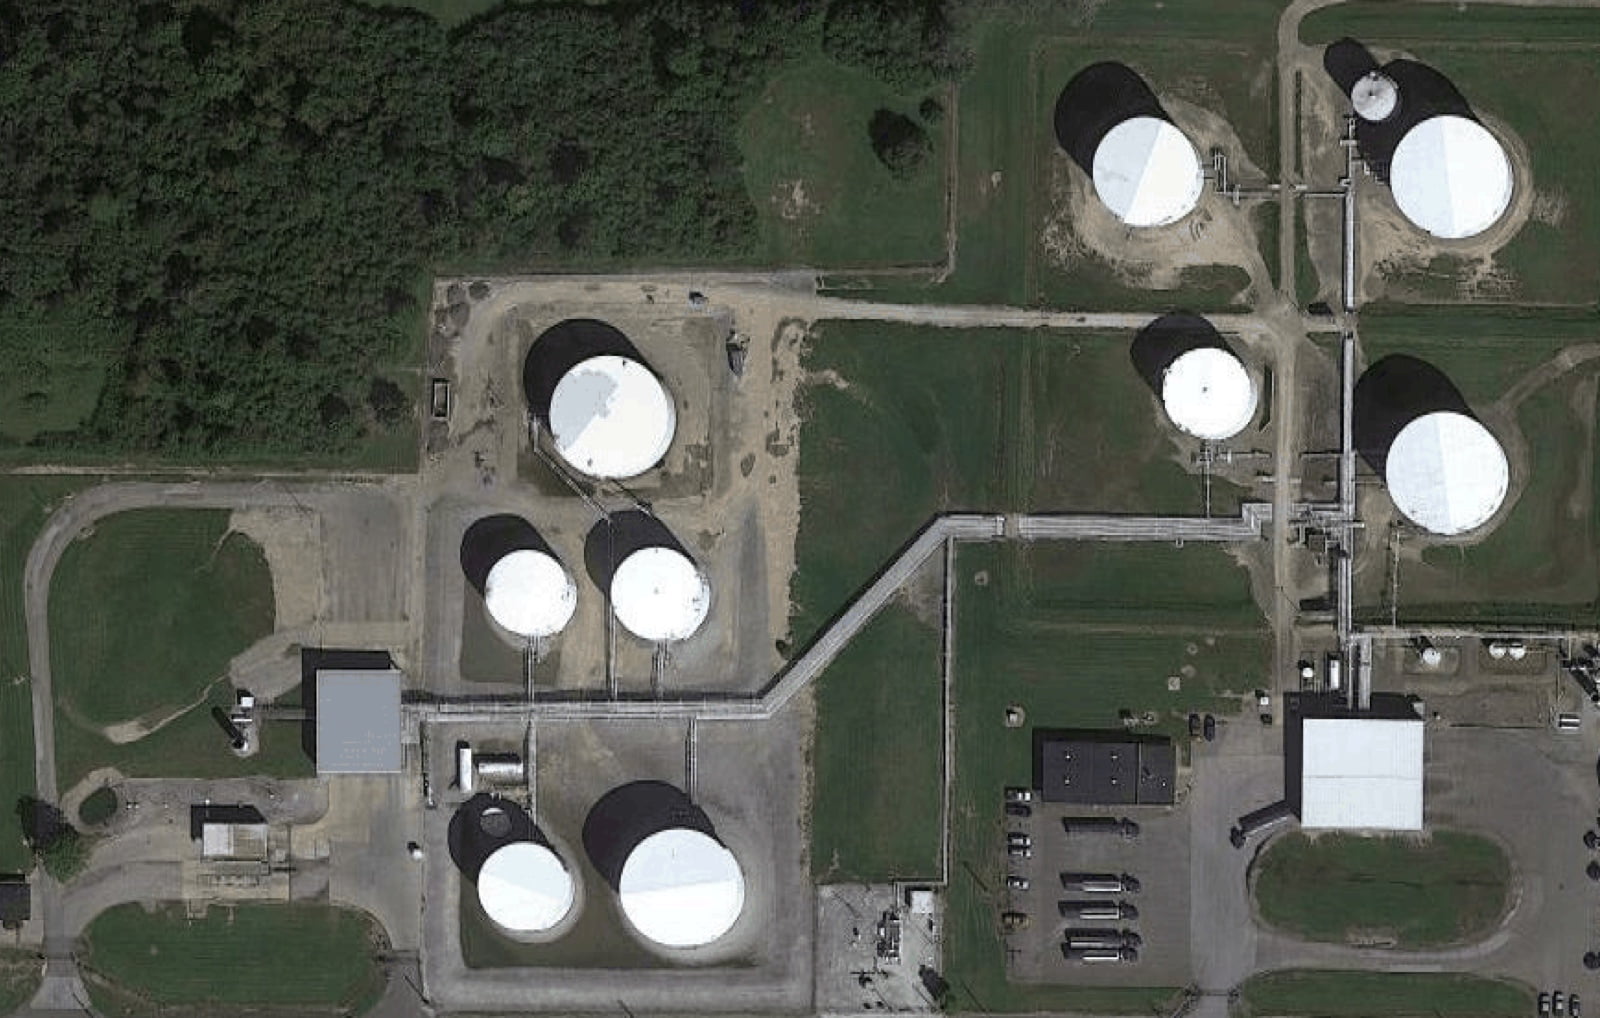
column 1147, row 172
column 530, row 594
column 1208, row 393
column 681, row 888
column 525, row 888
column 611, row 417
column 1451, row 177
column 1375, row 96
column 659, row 593
column 1447, row 473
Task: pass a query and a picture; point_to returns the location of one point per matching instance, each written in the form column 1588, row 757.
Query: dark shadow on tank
column 1098, row 98
column 1392, row 393
column 324, row 659
column 628, row 814
column 614, row 539
column 1423, row 93
column 493, row 537
column 482, row 824
column 562, row 347
column 1169, row 337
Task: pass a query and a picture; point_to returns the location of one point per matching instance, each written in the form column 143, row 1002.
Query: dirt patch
column 132, row 731
column 291, row 539
column 792, row 201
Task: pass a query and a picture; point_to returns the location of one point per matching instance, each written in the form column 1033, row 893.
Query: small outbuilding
column 1361, row 773
column 1103, row 768
column 358, row 721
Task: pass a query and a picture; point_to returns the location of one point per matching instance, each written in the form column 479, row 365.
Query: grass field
column 877, row 755
column 147, row 612
column 285, row 956
column 822, row 195
column 25, row 504
column 1221, row 60
column 1336, row 994
column 55, row 369
column 1075, row 633
column 1343, row 888
column 1540, row 86
column 924, row 420
column 20, row 971
column 447, row 12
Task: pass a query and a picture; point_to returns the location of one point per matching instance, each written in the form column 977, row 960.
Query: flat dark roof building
column 1103, row 768
column 16, row 902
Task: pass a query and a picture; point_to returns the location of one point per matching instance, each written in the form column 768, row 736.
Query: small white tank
column 1375, row 97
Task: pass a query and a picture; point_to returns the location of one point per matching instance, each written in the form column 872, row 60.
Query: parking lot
column 1158, row 857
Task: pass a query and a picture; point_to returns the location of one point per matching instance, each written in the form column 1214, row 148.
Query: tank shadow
column 1389, row 395
column 1098, row 98
column 628, row 814
column 490, row 539
column 562, row 347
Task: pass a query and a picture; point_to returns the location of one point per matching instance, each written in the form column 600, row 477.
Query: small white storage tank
column 1447, row 473
column 1147, row 172
column 1375, row 96
column 1208, row 393
column 659, row 593
column 1451, row 177
column 681, row 888
column 525, row 888
column 530, row 594
column 611, row 417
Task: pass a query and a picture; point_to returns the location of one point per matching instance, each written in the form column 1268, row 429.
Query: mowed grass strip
column 300, row 956
column 1029, row 632
column 1340, row 994
column 25, row 504
column 1343, row 888
column 875, row 817
column 148, row 609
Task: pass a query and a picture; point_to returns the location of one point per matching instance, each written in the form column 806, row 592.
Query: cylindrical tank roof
column 1147, row 173
column 681, row 888
column 660, row 594
column 530, row 594
column 611, row 417
column 1451, row 177
column 1374, row 96
column 1208, row 393
column 524, row 887
column 1447, row 473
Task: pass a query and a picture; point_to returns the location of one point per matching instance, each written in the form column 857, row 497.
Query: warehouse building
column 1103, row 768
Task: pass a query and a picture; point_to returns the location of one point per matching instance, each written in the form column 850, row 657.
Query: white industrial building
column 525, row 888
column 1447, row 473
column 1147, row 172
column 659, row 593
column 1208, row 393
column 358, row 721
column 1361, row 773
column 681, row 888
column 611, row 417
column 1451, row 177
column 530, row 594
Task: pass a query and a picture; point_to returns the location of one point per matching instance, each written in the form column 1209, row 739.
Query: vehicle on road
column 1210, row 728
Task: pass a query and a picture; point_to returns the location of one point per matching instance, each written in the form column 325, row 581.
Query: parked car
column 1017, row 882
column 1019, row 795
column 1019, row 851
column 1018, row 809
column 1018, row 838
column 1591, row 840
column 1544, row 1004
column 1210, row 728
column 1194, row 726
column 1573, row 1008
column 1557, row 1004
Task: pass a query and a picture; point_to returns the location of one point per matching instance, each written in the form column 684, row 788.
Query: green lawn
column 822, row 196
column 1344, row 888
column 1075, row 633
column 1336, row 994
column 20, row 972
column 1220, row 60
column 302, row 956
column 876, row 757
column 924, row 419
column 146, row 612
column 25, row 504
column 1539, row 85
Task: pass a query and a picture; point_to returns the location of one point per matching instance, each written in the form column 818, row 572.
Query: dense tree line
column 248, row 193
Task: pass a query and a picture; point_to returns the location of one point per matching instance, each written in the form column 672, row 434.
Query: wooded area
column 234, row 206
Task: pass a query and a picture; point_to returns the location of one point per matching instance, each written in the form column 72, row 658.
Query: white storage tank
column 1208, row 393
column 530, row 594
column 1447, row 473
column 525, row 888
column 611, row 417
column 659, row 593
column 1147, row 172
column 681, row 888
column 1451, row 177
